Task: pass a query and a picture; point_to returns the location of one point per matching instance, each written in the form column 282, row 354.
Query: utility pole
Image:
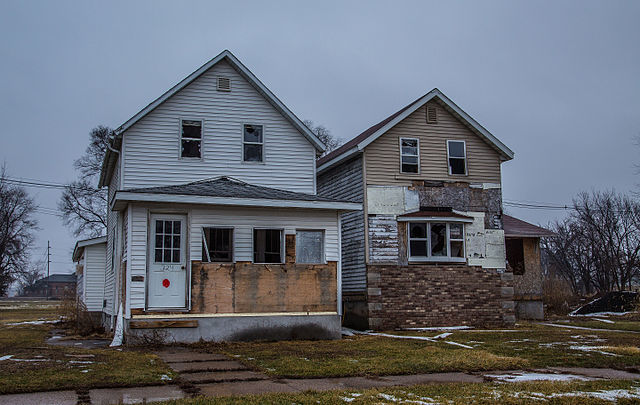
column 48, row 265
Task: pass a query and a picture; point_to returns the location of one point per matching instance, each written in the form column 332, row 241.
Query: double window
column 191, row 139
column 252, row 143
column 409, row 155
column 457, row 157
column 436, row 241
column 217, row 244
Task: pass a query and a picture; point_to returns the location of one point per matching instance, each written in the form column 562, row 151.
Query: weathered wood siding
column 93, row 278
column 382, row 156
column 383, row 239
column 152, row 146
column 345, row 182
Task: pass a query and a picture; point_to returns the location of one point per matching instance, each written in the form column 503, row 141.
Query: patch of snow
column 440, row 328
column 584, row 328
column 38, row 322
column 7, row 357
column 443, row 335
column 429, row 339
column 85, row 371
column 595, row 349
column 80, row 362
column 29, row 360
column 165, row 377
column 347, row 332
column 345, row 399
column 603, row 320
column 420, row 401
column 526, row 376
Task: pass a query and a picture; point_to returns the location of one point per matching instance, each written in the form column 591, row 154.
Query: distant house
column 522, row 242
column 58, row 285
column 90, row 258
column 428, row 248
column 215, row 230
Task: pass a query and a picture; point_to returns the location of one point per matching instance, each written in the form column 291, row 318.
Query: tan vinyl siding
column 383, row 155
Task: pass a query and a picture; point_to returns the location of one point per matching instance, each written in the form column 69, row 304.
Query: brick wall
column 438, row 295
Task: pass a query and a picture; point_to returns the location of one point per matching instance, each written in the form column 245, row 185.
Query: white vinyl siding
column 138, row 255
column 95, row 262
column 112, row 222
column 151, row 154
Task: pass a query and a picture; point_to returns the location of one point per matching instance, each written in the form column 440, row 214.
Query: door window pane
column 310, row 246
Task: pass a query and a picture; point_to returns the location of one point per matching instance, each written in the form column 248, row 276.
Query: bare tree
column 16, row 231
column 598, row 247
column 83, row 204
column 331, row 142
column 31, row 275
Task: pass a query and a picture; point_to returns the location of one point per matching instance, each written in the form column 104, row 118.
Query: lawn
column 528, row 346
column 36, row 366
column 574, row 393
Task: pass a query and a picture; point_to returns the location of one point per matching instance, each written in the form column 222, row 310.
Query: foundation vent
column 432, row 115
column 224, row 84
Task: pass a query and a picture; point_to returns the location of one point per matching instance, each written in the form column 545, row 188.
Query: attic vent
column 432, row 115
column 224, row 84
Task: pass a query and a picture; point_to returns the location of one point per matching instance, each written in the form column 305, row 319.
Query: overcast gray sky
column 558, row 82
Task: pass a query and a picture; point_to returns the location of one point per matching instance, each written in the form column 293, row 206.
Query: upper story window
column 252, row 143
column 267, row 246
column 457, row 157
column 436, row 241
column 191, row 139
column 409, row 155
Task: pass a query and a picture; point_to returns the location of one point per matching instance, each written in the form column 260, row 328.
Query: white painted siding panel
column 95, row 263
column 152, row 146
column 112, row 222
column 138, row 255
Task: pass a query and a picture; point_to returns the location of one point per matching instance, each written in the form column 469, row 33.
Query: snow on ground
column 603, row 320
column 604, row 395
column 430, row 339
column 584, row 328
column 418, row 400
column 595, row 349
column 602, row 314
column 530, row 376
column 7, row 357
column 439, row 328
column 38, row 322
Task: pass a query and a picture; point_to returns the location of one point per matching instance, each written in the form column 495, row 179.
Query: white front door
column 167, row 279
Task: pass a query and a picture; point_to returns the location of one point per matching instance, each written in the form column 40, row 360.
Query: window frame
column 180, row 138
column 429, row 257
column 323, row 260
column 400, row 139
column 466, row 166
column 282, row 244
column 242, row 143
column 232, row 240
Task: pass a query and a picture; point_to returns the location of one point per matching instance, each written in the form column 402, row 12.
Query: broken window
column 515, row 255
column 409, row 155
column 441, row 241
column 191, row 139
column 252, row 143
column 309, row 246
column 457, row 156
column 267, row 246
column 217, row 244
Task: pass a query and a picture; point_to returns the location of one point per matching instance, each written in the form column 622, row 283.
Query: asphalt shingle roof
column 231, row 188
column 517, row 227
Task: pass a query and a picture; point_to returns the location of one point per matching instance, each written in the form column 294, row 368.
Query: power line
column 34, row 183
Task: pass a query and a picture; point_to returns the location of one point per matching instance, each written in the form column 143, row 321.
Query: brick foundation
column 438, row 295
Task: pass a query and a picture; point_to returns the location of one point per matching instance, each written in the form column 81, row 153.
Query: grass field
column 36, row 366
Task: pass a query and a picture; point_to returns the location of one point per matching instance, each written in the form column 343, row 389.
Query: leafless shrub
column 558, row 296
column 77, row 318
column 150, row 338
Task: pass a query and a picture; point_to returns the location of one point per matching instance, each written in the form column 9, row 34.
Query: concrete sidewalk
column 256, row 383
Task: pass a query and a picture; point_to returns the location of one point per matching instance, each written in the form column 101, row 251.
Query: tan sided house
column 428, row 248
column 215, row 230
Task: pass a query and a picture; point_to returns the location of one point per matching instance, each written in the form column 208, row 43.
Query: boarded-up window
column 309, row 246
column 191, row 139
column 217, row 244
column 267, row 246
column 515, row 255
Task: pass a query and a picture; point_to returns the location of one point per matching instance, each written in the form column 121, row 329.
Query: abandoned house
column 89, row 255
column 428, row 247
column 215, row 230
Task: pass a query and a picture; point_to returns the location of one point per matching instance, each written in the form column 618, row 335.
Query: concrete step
column 228, row 365
column 191, row 357
column 222, row 376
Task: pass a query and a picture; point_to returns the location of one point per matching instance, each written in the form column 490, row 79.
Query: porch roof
column 514, row 227
column 229, row 191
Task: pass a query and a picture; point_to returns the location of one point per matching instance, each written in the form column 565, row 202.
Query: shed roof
column 514, row 227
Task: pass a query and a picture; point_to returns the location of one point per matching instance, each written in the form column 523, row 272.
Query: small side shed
column 522, row 243
column 89, row 256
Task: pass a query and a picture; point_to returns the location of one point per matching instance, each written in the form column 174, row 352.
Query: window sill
column 440, row 259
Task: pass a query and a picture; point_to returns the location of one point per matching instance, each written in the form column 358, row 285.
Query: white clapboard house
column 215, row 230
column 89, row 255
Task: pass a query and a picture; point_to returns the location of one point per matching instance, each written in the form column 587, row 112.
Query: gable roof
column 81, row 244
column 107, row 165
column 228, row 191
column 374, row 132
column 515, row 227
